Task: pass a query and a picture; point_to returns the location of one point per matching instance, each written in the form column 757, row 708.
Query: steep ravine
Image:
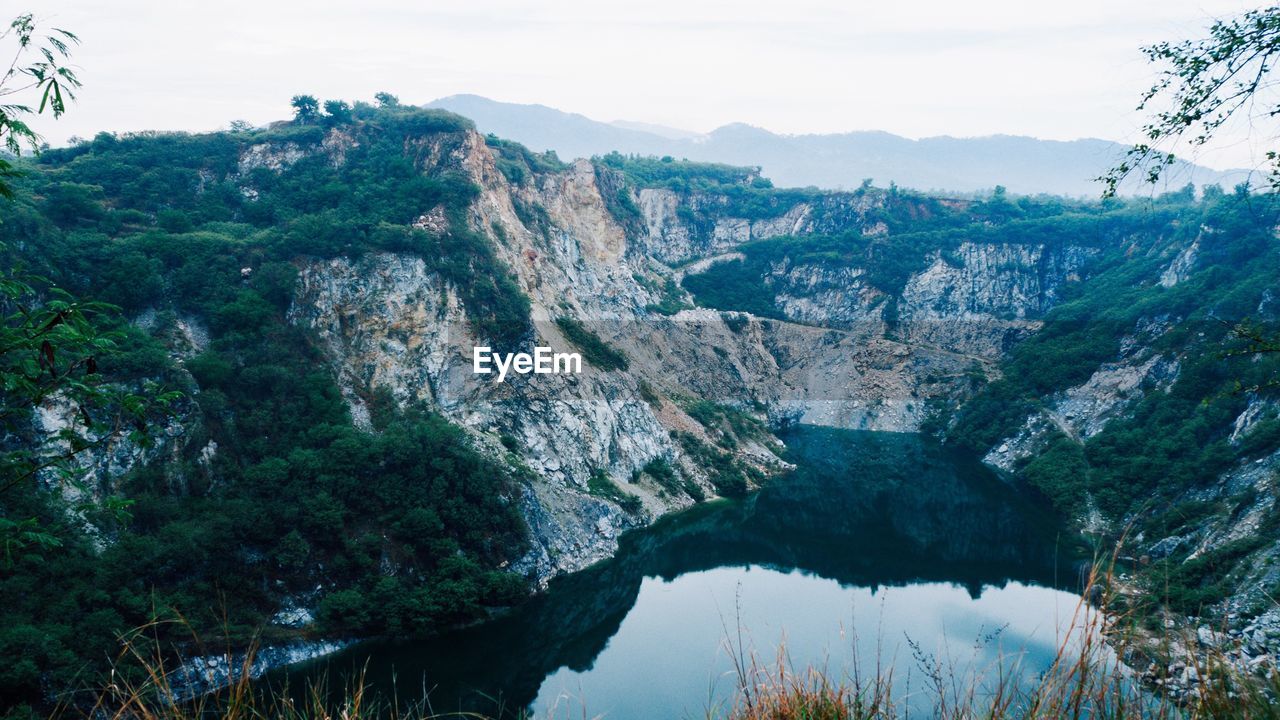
column 387, row 323
column 390, row 326
column 1199, row 554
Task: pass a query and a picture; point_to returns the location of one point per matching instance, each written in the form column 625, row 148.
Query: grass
column 144, row 685
column 1084, row 682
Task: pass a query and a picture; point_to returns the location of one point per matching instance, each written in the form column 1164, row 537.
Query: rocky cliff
column 313, row 276
column 389, row 324
column 1152, row 419
column 583, row 242
column 679, row 227
column 588, row 243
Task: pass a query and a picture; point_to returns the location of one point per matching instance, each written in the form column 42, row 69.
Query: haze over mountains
column 1024, row 165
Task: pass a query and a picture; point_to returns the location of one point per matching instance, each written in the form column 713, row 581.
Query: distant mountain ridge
column 1024, row 165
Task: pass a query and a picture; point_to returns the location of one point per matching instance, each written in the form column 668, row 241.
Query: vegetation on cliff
column 913, row 237
column 271, row 492
column 1179, row 433
column 1173, row 276
column 274, row 495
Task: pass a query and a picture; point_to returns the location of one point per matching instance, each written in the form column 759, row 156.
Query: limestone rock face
column 985, row 297
column 90, row 475
column 828, row 296
column 1181, row 266
column 387, row 323
column 979, row 300
column 390, row 324
column 1084, row 410
column 109, row 456
column 678, row 229
column 270, row 156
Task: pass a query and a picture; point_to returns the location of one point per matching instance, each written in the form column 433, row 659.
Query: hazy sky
column 917, row 68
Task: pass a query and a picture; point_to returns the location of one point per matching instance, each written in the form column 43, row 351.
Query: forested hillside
column 276, row 493
column 1138, row 405
column 1180, row 452
column 332, row 468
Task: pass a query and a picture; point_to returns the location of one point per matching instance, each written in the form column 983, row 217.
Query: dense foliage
column 728, row 428
column 276, row 495
column 741, row 191
column 518, row 163
column 304, row 190
column 1168, row 442
column 915, row 230
column 1236, row 263
column 683, row 175
column 595, row 350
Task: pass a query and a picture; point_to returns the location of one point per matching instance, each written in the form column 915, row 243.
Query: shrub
column 601, row 485
column 596, row 351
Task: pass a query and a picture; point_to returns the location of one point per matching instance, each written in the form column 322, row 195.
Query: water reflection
column 875, row 534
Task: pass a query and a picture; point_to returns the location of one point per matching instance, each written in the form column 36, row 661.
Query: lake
column 880, row 548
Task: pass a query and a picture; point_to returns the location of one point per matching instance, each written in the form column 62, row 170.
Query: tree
column 1205, row 83
column 49, row 342
column 240, row 126
column 337, row 112
column 1251, row 340
column 47, row 78
column 306, row 109
column 49, row 349
column 386, row 100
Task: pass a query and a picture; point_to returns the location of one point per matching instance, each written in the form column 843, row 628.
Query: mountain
column 659, row 130
column 338, row 468
column 543, row 128
column 1024, row 165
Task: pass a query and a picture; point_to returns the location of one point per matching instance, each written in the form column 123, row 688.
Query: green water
column 874, row 540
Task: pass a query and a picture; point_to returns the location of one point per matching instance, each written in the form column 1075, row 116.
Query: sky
column 1057, row 70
